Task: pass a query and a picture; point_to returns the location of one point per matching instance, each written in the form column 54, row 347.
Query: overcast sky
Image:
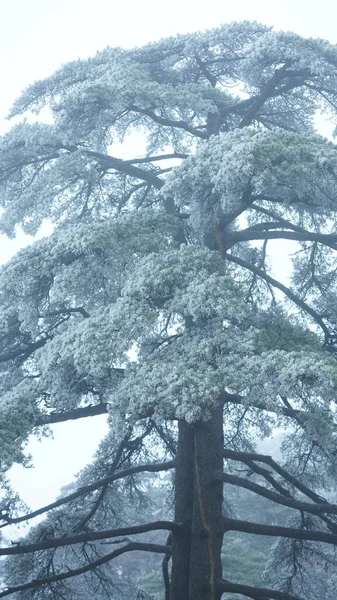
column 36, row 37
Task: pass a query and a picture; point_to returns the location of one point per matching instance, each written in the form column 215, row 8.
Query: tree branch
column 287, row 224
column 274, row 465
column 305, row 236
column 129, row 547
column 72, row 415
column 270, row 91
column 147, row 159
column 286, row 291
column 238, row 399
column 276, row 531
column 315, row 509
column 111, row 162
column 253, row 592
column 90, row 536
column 86, row 489
column 169, row 122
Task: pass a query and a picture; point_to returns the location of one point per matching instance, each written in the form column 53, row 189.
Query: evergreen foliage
column 155, row 300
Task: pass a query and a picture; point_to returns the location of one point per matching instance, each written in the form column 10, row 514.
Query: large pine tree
column 167, row 171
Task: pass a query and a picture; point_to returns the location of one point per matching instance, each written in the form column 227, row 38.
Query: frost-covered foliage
column 230, row 172
column 155, row 299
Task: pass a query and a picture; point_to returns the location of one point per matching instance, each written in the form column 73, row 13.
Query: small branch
column 129, row 547
column 206, row 73
column 66, row 311
column 25, row 352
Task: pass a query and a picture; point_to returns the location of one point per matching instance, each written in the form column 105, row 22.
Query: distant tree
column 154, row 301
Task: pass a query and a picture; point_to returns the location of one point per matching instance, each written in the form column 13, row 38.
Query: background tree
column 154, row 301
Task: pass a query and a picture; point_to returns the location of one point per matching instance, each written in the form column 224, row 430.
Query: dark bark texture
column 196, row 551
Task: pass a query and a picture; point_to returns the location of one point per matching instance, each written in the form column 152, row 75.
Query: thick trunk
column 207, row 528
column 196, row 551
column 181, row 544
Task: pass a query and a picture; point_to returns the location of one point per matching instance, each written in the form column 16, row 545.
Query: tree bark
column 196, row 549
column 181, row 543
column 207, row 528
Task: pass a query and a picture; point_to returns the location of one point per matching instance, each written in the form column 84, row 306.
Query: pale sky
column 36, row 37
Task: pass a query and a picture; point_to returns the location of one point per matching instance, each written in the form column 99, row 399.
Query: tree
column 154, row 301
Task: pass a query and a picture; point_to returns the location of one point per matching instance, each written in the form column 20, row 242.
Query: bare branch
column 253, row 592
column 90, row 536
column 86, row 489
column 285, row 474
column 315, row 509
column 129, row 547
column 276, row 531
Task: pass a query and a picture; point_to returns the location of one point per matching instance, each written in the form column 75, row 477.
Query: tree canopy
column 167, row 171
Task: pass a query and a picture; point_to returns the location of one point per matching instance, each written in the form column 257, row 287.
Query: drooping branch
column 267, row 475
column 234, row 455
column 253, row 592
column 251, row 458
column 315, row 509
column 124, row 451
column 91, row 536
column 277, row 531
column 63, row 575
column 86, row 489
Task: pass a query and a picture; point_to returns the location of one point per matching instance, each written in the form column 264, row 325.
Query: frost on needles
column 156, row 300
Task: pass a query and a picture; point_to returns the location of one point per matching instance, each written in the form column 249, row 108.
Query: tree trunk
column 207, row 528
column 196, row 552
column 181, row 544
